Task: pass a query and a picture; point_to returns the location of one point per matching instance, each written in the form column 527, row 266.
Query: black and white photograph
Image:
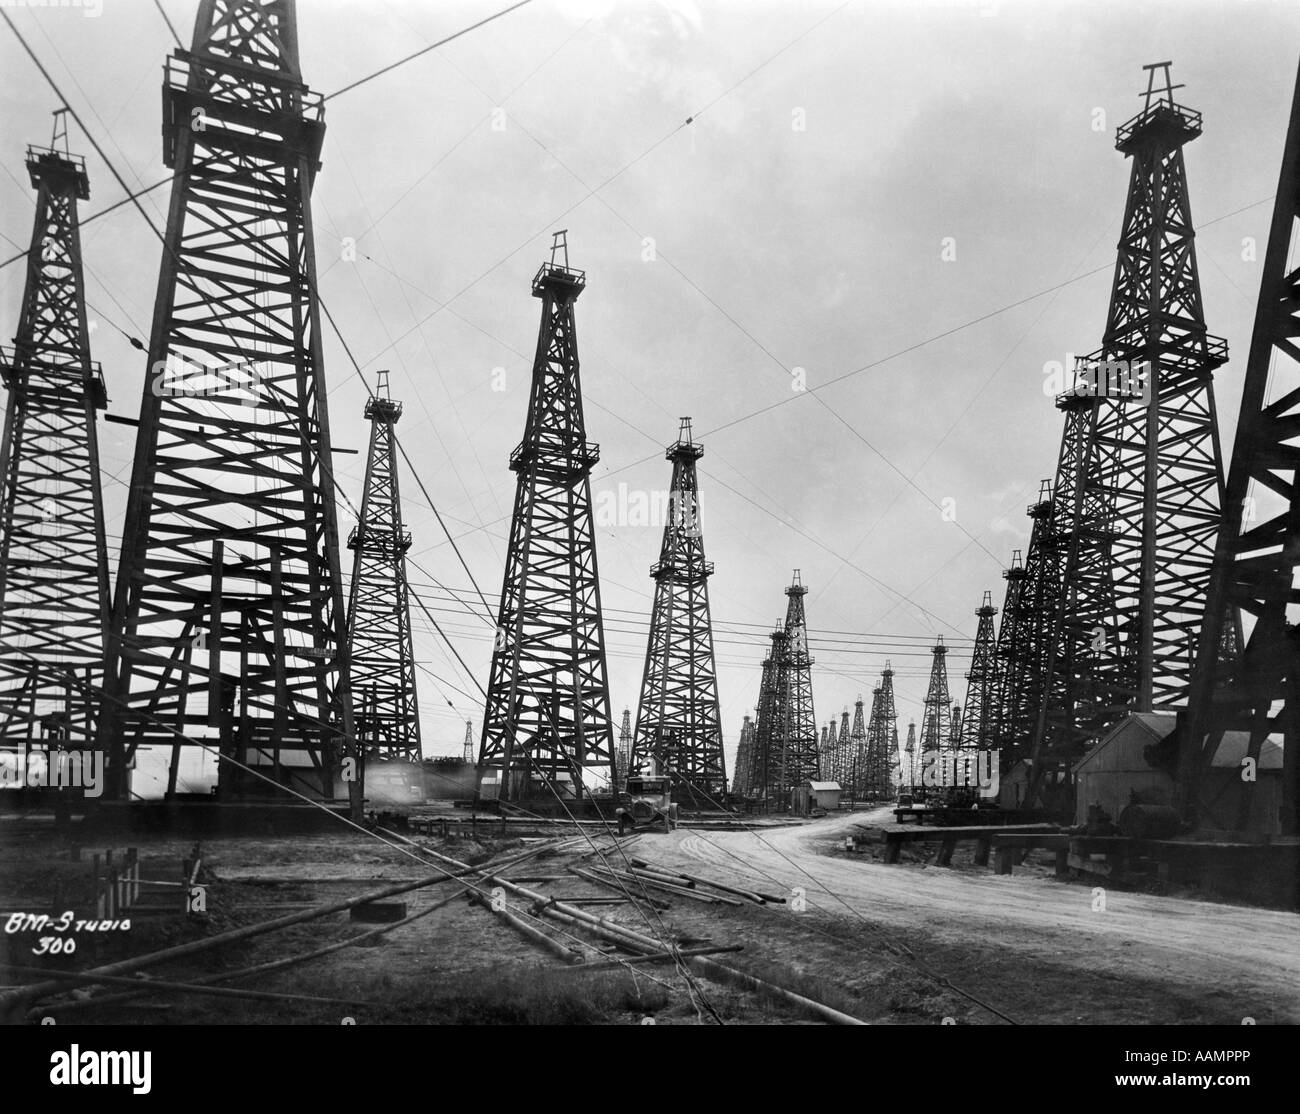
column 605, row 513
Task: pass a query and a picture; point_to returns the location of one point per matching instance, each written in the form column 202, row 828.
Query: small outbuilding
column 824, row 795
column 1123, row 768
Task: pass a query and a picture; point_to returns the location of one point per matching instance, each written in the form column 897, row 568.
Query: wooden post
column 946, row 848
column 892, row 849
column 98, row 890
column 982, row 845
column 1002, row 860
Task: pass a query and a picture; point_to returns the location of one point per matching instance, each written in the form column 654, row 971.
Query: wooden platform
column 948, row 838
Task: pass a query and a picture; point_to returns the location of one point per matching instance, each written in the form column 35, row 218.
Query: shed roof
column 822, row 786
column 1160, row 725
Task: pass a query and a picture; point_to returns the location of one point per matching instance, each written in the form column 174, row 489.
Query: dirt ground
column 901, row 944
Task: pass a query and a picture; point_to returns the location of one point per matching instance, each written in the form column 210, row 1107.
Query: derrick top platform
column 58, row 170
column 1166, row 123
column 68, row 369
column 558, row 281
column 240, row 105
column 383, row 410
column 685, row 447
column 1162, row 122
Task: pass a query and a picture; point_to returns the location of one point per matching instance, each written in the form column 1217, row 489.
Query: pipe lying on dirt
column 618, row 888
column 752, row 895
column 640, row 878
column 649, row 946
column 15, row 1000
column 536, row 935
column 658, row 957
column 658, row 875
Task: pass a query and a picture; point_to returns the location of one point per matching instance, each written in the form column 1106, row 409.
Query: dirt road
column 1206, row 950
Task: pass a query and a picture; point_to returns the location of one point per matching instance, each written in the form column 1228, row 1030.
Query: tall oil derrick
column 800, row 754
column 623, row 754
column 978, row 726
column 743, row 779
column 826, row 759
column 1008, row 654
column 547, row 721
column 911, row 766
column 858, row 747
column 1254, row 570
column 229, row 618
column 882, row 742
column 1025, row 640
column 843, row 751
column 870, row 750
column 936, row 720
column 385, row 713
column 883, row 749
column 468, row 751
column 54, row 601
column 767, row 777
column 679, row 723
column 1139, row 525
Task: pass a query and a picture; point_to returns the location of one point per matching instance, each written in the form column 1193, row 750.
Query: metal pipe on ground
column 752, row 895
column 536, row 935
column 612, row 885
column 640, row 878
column 658, row 957
column 648, row 946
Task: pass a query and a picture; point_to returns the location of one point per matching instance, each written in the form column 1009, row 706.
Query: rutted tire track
column 1180, row 941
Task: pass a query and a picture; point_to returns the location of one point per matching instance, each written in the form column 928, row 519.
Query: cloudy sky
column 906, row 209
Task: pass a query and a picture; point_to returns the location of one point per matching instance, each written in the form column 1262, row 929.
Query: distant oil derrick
column 937, row 719
column 800, row 759
column 623, row 754
column 679, row 724
column 742, row 781
column 770, row 727
column 858, row 747
column 381, row 655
